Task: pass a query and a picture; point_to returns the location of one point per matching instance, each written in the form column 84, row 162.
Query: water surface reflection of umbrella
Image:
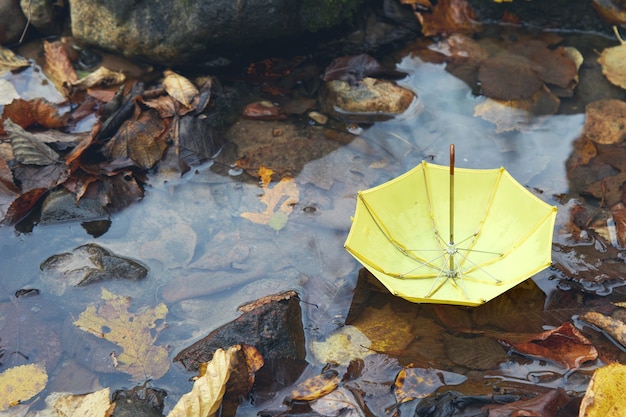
column 438, row 234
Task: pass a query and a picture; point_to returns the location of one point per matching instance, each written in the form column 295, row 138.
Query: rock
column 179, row 32
column 367, row 101
column 272, row 324
column 44, row 15
column 12, row 21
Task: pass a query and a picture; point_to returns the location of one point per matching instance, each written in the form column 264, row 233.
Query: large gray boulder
column 198, row 31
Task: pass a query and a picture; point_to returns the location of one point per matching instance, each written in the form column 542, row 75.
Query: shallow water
column 205, row 259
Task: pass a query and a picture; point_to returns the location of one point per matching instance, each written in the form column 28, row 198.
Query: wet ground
column 205, row 258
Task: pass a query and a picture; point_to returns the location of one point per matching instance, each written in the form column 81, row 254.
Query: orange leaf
column 58, row 66
column 279, row 201
column 449, row 16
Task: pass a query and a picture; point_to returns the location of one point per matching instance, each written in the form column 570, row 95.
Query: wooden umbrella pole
column 452, row 194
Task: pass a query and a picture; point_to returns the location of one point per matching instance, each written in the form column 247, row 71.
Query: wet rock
column 181, row 31
column 367, row 101
column 91, row 263
column 44, row 15
column 272, row 324
column 139, row 401
column 61, row 206
column 12, row 21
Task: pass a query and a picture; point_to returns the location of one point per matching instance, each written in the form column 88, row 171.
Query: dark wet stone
column 139, row 401
column 91, row 263
column 274, row 327
column 61, row 206
column 12, row 21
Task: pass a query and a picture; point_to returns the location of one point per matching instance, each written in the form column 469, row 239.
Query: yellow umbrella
column 440, row 235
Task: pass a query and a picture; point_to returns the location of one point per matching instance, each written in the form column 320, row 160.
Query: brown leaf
column 11, row 62
column 508, row 76
column 545, row 405
column 613, row 327
column 181, row 89
column 315, row 387
column 142, row 139
column 37, row 111
column 564, row 345
column 604, row 121
column 22, row 205
column 416, row 383
column 102, row 77
column 27, row 148
column 449, row 16
column 613, row 62
column 58, row 66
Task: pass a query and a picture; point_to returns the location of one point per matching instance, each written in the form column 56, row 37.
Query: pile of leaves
column 132, row 132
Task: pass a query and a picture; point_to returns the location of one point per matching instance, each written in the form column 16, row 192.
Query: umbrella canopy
column 440, row 235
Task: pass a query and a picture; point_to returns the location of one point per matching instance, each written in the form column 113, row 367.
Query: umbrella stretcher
column 451, row 236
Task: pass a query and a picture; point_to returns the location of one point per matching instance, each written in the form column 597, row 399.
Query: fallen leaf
column 94, row 404
column 284, row 193
column 102, row 77
column 315, row 387
column 417, row 383
column 22, row 205
column 340, row 402
column 263, row 110
column 135, row 333
column 206, row 395
column 181, row 89
column 613, row 62
column 604, row 121
column 508, row 76
column 58, row 66
column 198, row 140
column 37, row 111
column 449, row 16
column 564, row 345
column 605, row 393
column 142, row 139
column 27, row 148
column 11, row 62
column 613, row 327
column 21, row 383
column 545, row 405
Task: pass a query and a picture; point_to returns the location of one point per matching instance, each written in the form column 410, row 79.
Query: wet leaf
column 21, row 383
column 27, row 148
column 417, row 383
column 11, row 62
column 604, row 121
column 141, row 358
column 613, row 62
column 564, row 345
column 206, row 395
column 58, row 66
column 279, row 201
column 22, row 205
column 508, row 76
column 449, row 16
column 605, row 393
column 339, row 402
column 181, row 89
column 613, row 327
column 38, row 111
column 263, row 110
column 315, row 387
column 198, row 141
column 545, row 405
column 474, row 352
column 387, row 329
column 102, row 77
column 341, row 346
column 143, row 140
column 94, row 404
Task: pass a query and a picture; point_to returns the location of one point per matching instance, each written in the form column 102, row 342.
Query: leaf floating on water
column 206, row 395
column 605, row 393
column 21, row 383
column 11, row 62
column 315, row 387
column 181, row 89
column 58, row 66
column 94, row 404
column 27, row 148
column 417, row 383
column 613, row 62
column 604, row 121
column 141, row 358
column 612, row 326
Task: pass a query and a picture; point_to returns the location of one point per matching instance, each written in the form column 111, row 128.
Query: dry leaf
column 133, row 332
column 613, row 327
column 21, row 383
column 94, row 404
column 604, row 121
column 181, row 89
column 449, row 16
column 58, row 66
column 613, row 62
column 102, row 77
column 27, row 148
column 206, row 395
column 284, row 193
column 10, row 62
column 605, row 393
column 37, row 111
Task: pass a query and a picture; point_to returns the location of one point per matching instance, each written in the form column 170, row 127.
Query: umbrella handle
column 451, row 194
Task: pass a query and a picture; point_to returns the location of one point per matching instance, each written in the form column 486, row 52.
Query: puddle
column 205, row 259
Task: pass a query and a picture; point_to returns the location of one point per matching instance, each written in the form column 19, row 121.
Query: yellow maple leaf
column 141, row 358
column 21, row 383
column 279, row 201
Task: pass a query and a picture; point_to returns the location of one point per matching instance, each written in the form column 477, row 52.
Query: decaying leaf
column 604, row 121
column 102, row 77
column 21, row 383
column 181, row 89
column 206, row 395
column 315, row 387
column 27, row 148
column 58, row 66
column 141, row 358
column 564, row 345
column 545, row 405
column 613, row 62
column 508, row 76
column 94, row 404
column 11, row 62
column 37, row 111
column 612, row 326
column 279, row 201
column 605, row 393
column 340, row 402
column 417, row 383
column 449, row 16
